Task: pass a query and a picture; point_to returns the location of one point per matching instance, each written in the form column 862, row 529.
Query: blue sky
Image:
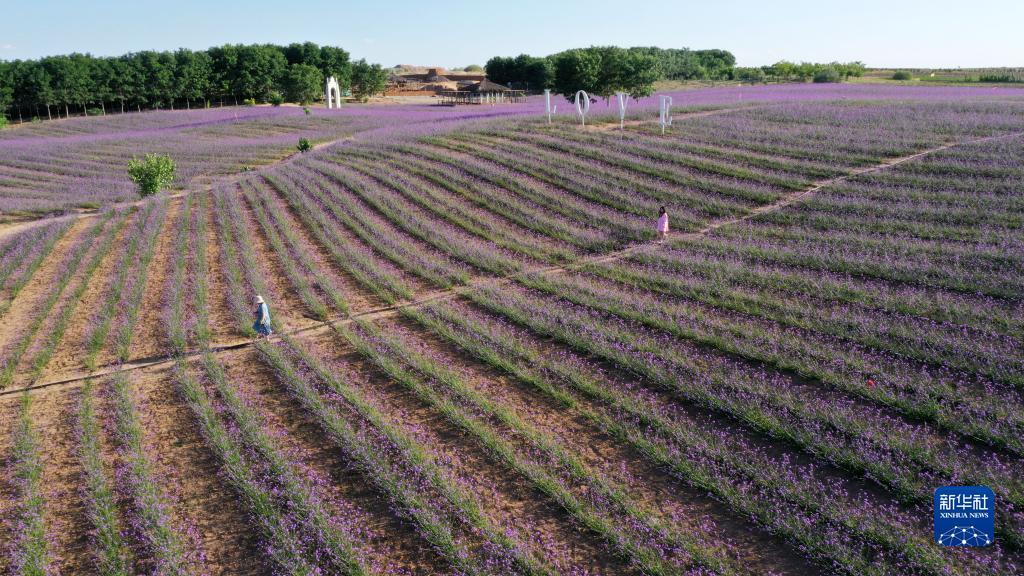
column 938, row 33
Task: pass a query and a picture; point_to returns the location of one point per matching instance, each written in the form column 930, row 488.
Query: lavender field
column 484, row 360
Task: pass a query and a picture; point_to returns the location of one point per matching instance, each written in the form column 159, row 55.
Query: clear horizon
column 941, row 34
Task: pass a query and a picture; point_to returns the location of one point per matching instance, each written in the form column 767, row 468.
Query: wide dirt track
column 484, row 361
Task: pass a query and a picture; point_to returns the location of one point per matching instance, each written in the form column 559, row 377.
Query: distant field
column 951, row 76
column 484, row 364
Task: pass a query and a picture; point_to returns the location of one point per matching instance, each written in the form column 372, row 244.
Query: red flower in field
column 871, row 383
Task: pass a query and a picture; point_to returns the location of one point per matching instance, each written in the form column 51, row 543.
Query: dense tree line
column 785, row 71
column 604, row 70
column 79, row 83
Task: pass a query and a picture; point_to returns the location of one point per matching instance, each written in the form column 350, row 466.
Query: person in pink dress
column 662, row 225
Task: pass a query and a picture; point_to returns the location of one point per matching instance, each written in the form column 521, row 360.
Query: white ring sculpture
column 582, row 108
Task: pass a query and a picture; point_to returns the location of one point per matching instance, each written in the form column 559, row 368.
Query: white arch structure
column 332, row 87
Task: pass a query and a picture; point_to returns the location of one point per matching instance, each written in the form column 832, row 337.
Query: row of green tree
column 785, row 71
column 604, row 70
column 154, row 80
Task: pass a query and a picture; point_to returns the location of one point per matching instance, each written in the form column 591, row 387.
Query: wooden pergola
column 486, row 92
column 453, row 97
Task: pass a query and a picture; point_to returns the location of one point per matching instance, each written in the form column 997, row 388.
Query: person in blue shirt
column 262, row 323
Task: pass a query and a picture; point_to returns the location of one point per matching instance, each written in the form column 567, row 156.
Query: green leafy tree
column 367, row 80
column 717, row 64
column 501, row 70
column 6, row 89
column 33, row 87
column 304, row 53
column 260, row 69
column 637, row 74
column 304, row 145
column 474, row 68
column 577, row 70
column 523, row 72
column 193, row 72
column 152, row 174
column 335, row 62
column 69, row 81
column 225, row 71
column 303, row 83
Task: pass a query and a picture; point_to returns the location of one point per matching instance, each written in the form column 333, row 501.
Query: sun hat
column 259, row 299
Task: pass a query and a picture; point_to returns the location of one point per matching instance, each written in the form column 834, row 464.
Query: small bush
column 3, row 120
column 151, row 174
column 276, row 98
column 827, row 75
column 94, row 112
column 306, row 110
column 902, row 75
column 304, row 145
column 249, row 102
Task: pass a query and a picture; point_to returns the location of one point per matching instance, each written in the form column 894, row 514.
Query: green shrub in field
column 306, row 110
column 3, row 120
column 826, row 75
column 902, row 75
column 152, row 174
column 249, row 101
column 94, row 112
column 304, row 145
column 276, row 98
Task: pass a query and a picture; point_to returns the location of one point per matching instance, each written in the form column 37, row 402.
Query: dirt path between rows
column 479, row 282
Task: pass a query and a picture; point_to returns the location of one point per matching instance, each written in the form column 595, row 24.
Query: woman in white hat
column 262, row 323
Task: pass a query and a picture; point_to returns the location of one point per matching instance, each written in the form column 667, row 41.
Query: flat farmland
column 484, row 362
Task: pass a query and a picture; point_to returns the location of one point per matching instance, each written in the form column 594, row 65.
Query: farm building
column 430, row 82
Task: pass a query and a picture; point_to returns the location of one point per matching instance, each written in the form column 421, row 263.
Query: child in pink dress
column 662, row 225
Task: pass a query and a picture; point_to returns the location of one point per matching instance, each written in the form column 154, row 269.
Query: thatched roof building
column 486, row 86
